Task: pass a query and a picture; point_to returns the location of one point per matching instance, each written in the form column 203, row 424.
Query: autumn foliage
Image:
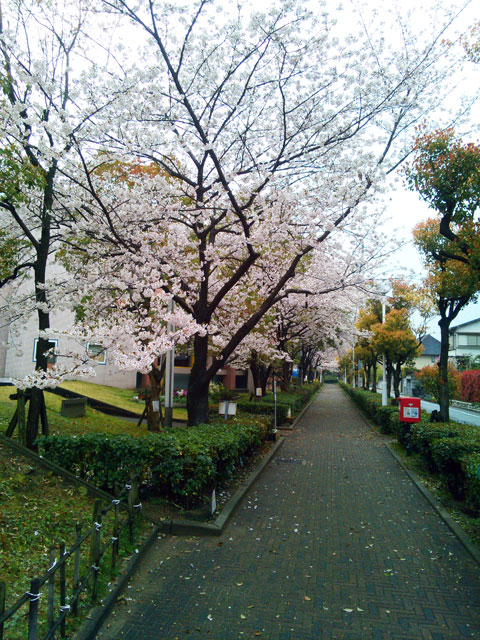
column 430, row 378
column 470, row 386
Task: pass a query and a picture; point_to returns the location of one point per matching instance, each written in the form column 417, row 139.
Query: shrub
column 181, row 464
column 470, row 386
column 424, row 435
column 447, row 454
column 430, row 378
column 264, row 408
column 471, row 468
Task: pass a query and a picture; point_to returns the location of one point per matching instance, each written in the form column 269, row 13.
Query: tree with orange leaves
column 446, row 174
column 452, row 284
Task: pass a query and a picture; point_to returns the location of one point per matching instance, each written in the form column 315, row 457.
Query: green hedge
column 264, row 408
column 450, row 449
column 180, row 463
column 294, row 401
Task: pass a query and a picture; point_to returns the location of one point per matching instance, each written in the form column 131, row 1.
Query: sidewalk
column 333, row 542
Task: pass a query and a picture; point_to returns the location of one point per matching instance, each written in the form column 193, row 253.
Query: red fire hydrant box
column 410, row 410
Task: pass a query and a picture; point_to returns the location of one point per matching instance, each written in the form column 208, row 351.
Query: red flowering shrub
column 470, row 386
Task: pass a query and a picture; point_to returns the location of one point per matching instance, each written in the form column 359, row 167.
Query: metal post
column 169, row 374
column 274, row 406
column 353, row 366
column 384, row 367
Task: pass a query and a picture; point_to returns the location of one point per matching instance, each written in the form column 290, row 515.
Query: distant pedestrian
column 435, row 416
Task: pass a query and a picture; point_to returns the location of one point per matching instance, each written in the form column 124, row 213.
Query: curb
column 460, row 534
column 180, row 527
column 292, row 426
column 446, row 517
column 97, row 616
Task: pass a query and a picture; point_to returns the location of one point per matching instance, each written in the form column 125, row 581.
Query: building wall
column 465, row 340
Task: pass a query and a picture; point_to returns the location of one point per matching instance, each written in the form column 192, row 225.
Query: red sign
column 410, row 410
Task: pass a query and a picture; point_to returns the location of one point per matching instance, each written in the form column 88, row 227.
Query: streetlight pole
column 384, row 367
column 169, row 373
column 353, row 366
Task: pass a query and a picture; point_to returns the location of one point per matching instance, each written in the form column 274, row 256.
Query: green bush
column 471, row 467
column 447, row 454
column 264, row 408
column 181, row 464
column 295, row 401
column 424, row 434
column 450, row 448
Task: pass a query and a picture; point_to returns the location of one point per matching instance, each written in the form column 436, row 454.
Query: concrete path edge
column 446, row 517
column 97, row 616
column 472, row 549
column 193, row 528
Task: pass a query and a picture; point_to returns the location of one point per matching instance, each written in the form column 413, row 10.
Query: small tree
column 395, row 338
column 432, row 383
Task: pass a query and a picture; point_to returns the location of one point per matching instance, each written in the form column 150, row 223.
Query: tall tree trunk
column 374, row 376
column 443, row 396
column 286, row 374
column 368, row 373
column 37, row 400
column 389, row 372
column 198, row 383
column 397, row 374
column 153, row 405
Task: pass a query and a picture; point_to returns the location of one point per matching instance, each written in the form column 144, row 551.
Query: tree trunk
column 265, row 374
column 389, row 371
column 154, row 411
column 286, row 374
column 368, row 373
column 397, row 374
column 443, row 396
column 198, row 383
column 374, row 377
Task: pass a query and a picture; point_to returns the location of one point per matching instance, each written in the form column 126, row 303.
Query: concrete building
column 464, row 342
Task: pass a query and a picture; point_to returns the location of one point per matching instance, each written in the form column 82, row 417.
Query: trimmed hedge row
column 181, row 464
column 293, row 401
column 450, row 449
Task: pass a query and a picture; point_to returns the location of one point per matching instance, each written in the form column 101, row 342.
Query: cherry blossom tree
column 43, row 109
column 264, row 117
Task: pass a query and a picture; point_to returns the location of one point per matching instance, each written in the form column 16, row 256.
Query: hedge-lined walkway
column 334, row 542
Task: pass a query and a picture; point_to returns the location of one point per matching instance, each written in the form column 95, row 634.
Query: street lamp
column 169, row 373
column 384, row 374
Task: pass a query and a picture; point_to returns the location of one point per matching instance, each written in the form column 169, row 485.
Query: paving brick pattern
column 333, row 542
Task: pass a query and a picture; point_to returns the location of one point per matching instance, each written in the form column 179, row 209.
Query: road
column 459, row 415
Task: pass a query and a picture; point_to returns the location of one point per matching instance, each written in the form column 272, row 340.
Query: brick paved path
column 333, row 542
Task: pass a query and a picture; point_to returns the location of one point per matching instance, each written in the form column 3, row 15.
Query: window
column 182, row 360
column 473, row 340
column 52, row 344
column 97, row 352
column 241, row 380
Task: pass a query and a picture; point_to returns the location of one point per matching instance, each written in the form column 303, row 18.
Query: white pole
column 384, row 375
column 169, row 373
column 353, row 366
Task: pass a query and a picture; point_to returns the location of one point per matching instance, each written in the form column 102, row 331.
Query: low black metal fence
column 82, row 576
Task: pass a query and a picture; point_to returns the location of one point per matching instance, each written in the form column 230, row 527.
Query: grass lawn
column 122, row 398
column 39, row 509
column 92, row 422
